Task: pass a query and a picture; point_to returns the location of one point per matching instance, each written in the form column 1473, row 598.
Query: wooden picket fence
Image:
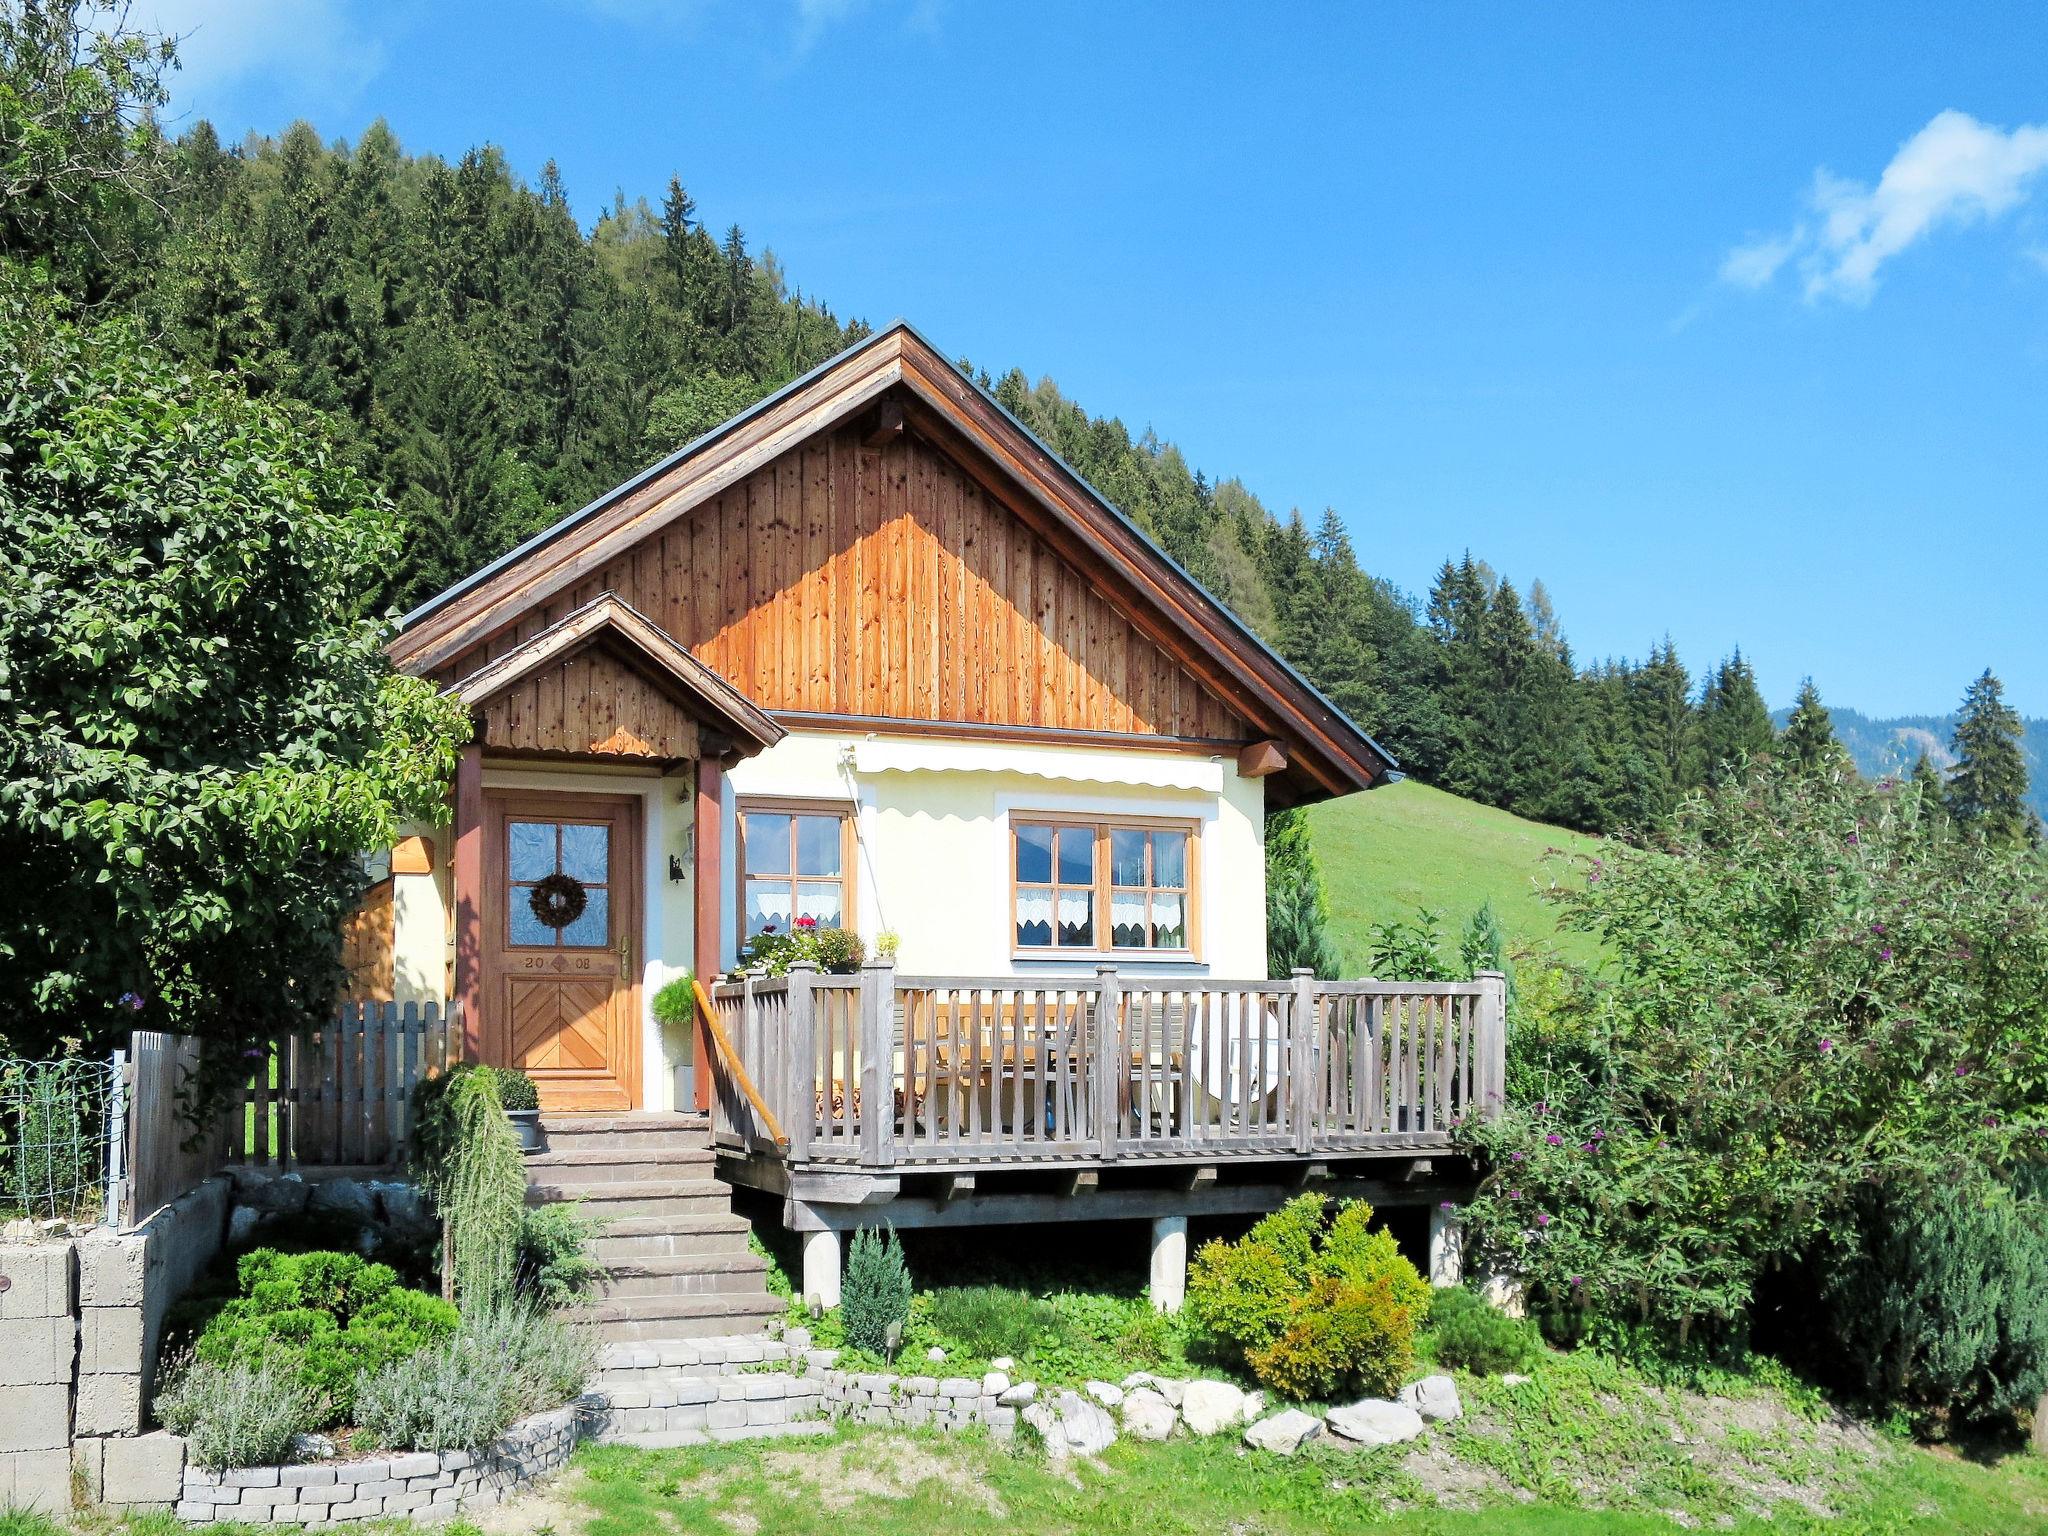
column 341, row 1095
column 159, row 1156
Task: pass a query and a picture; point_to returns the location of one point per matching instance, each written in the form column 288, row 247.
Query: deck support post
column 1169, row 1263
column 1491, row 1040
column 1303, row 1080
column 1446, row 1247
column 1107, row 1065
column 821, row 1267
column 799, row 1110
column 878, row 1064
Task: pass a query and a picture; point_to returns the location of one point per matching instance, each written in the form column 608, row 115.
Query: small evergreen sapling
column 876, row 1291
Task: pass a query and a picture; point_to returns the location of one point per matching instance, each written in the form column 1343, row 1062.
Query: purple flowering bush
column 1817, row 988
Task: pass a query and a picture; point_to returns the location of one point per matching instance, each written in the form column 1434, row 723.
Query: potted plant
column 675, row 1005
column 522, row 1105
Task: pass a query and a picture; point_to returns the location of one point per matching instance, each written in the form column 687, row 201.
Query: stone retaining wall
column 733, row 1405
column 425, row 1485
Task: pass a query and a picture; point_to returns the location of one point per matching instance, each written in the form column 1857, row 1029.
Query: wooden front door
column 561, row 940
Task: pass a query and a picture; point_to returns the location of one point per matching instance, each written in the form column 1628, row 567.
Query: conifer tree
column 1930, row 798
column 1809, row 742
column 1735, row 724
column 1297, row 912
column 1987, row 790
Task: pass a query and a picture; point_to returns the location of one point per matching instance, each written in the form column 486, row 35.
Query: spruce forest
column 493, row 366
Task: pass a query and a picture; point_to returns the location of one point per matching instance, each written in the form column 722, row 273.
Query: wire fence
column 59, row 1123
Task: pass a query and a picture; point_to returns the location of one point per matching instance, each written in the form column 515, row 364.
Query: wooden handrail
column 715, row 1028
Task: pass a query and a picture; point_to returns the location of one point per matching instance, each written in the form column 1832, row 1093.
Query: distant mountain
column 1883, row 747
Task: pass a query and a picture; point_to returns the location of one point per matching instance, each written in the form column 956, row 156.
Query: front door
column 561, row 927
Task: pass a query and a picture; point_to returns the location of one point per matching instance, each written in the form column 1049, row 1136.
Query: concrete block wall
column 126, row 1283
column 38, row 1359
column 80, row 1318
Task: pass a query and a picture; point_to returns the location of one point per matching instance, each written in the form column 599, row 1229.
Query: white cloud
column 1955, row 170
column 319, row 52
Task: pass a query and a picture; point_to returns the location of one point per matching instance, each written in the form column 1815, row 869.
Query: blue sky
column 1729, row 323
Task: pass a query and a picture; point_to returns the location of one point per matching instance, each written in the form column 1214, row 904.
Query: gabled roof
column 1325, row 752
column 681, row 676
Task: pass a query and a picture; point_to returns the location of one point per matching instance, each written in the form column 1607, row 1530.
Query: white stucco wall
column 934, row 834
column 933, row 855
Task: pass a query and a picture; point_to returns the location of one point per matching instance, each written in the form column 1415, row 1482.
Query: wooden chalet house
column 870, row 656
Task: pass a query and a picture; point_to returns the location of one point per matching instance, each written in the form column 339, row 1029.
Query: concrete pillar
column 1169, row 1263
column 1446, row 1246
column 821, row 1268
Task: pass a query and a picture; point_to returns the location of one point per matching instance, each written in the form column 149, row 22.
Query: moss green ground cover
column 1386, row 852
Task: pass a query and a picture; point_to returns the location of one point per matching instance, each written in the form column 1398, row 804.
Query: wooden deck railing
column 882, row 1071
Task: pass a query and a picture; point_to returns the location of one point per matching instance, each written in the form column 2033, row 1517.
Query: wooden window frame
column 1103, row 824
column 796, row 805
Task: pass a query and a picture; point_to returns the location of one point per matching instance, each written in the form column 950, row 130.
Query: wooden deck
column 885, row 1074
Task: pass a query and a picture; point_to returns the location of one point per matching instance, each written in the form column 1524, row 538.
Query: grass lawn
column 928, row 1484
column 1388, row 851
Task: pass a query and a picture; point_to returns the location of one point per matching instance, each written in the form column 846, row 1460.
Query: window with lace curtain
column 1102, row 886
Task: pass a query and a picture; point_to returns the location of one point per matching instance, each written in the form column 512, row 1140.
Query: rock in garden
column 994, row 1384
column 1376, row 1421
column 1147, row 1415
column 308, row 1447
column 1254, row 1405
column 1002, row 1363
column 286, row 1195
column 242, row 1225
column 405, row 1209
column 1173, row 1391
column 1434, row 1397
column 1105, row 1393
column 1022, row 1395
column 1285, row 1432
column 1135, row 1380
column 1515, row 1379
column 1210, row 1407
column 1071, row 1425
column 341, row 1197
column 935, row 1354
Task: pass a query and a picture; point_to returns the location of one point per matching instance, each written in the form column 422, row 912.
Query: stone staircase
column 679, row 1263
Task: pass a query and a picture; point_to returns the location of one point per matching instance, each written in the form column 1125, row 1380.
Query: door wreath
column 558, row 900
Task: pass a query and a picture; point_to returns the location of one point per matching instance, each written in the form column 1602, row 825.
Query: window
column 548, row 851
column 1102, row 886
column 796, row 861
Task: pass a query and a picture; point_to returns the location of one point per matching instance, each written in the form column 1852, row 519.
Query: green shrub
column 1342, row 1337
column 839, row 951
column 1311, row 1307
column 1471, row 1335
column 1942, row 1307
column 989, row 1320
column 482, row 1194
column 556, row 1266
column 321, row 1319
column 241, row 1414
column 461, row 1394
column 675, row 1004
column 875, row 1291
column 515, row 1089
column 1813, row 990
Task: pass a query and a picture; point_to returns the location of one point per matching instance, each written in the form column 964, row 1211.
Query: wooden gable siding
column 885, row 581
column 589, row 704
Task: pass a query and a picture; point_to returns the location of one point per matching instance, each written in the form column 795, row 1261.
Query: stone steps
column 687, row 1274
column 638, row 1237
column 678, row 1260
column 675, row 1316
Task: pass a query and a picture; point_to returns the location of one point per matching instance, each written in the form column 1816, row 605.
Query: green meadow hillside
column 1388, row 851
